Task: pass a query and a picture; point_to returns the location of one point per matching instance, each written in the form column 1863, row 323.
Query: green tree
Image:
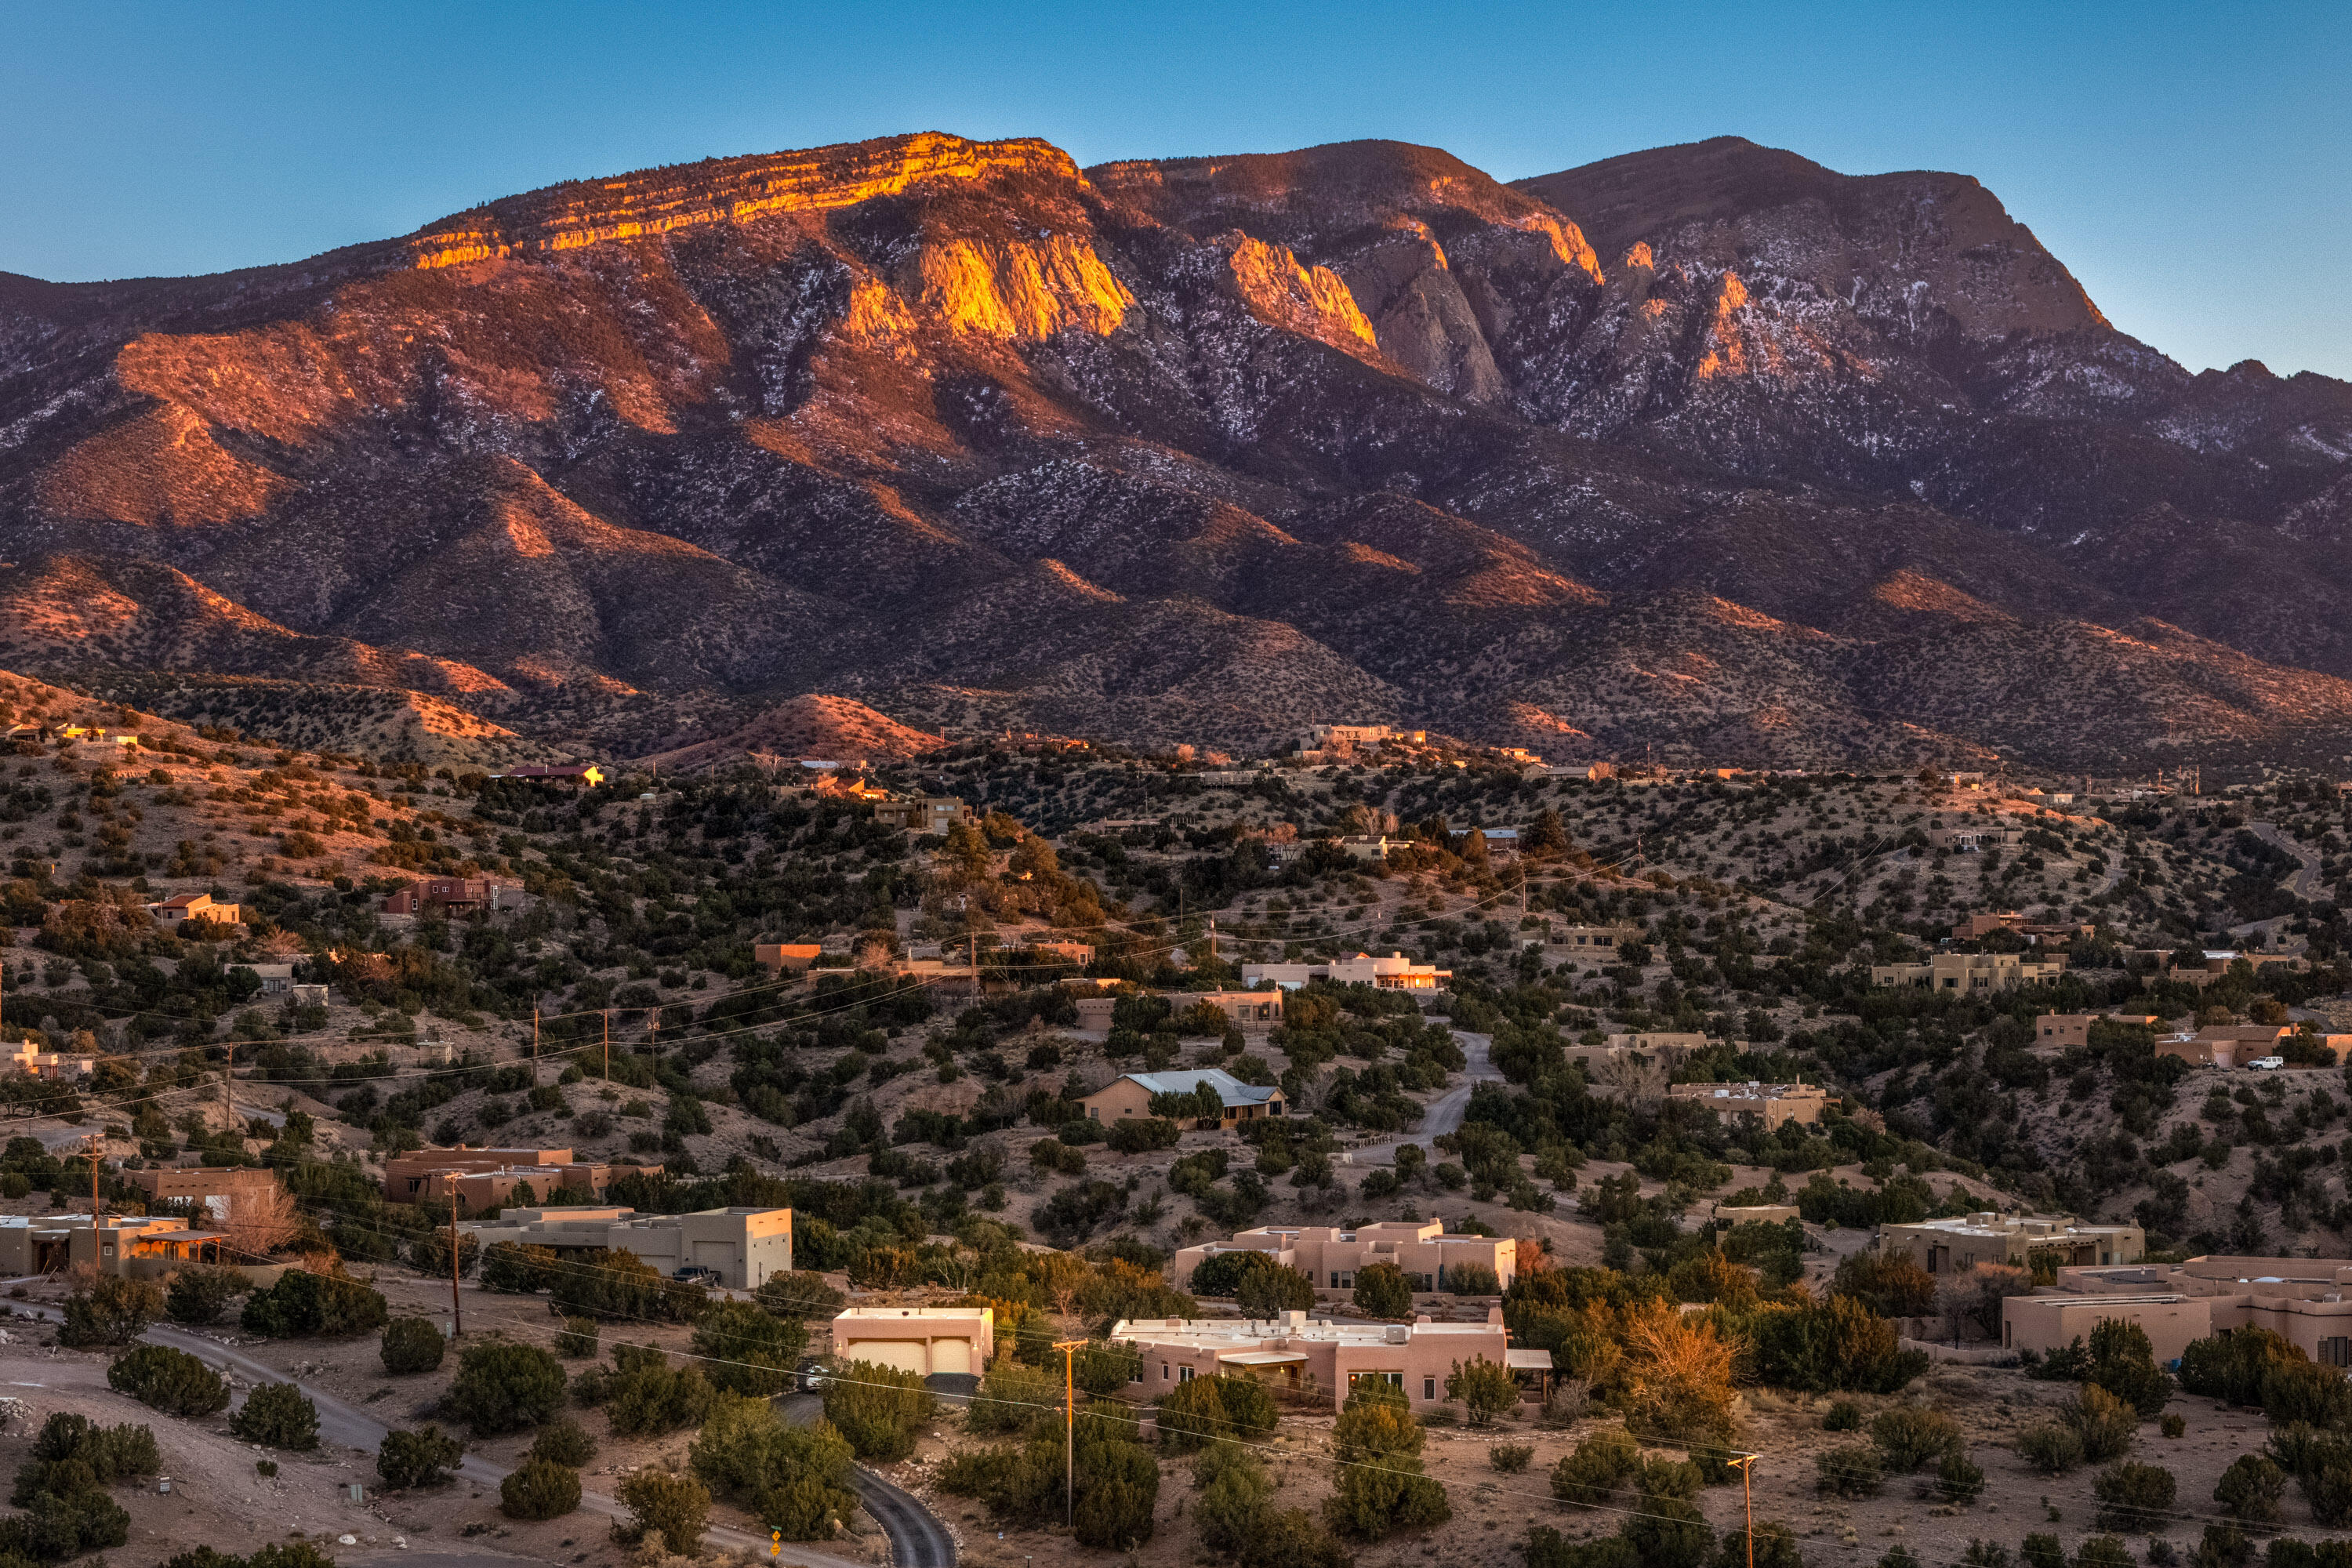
column 541, row 1489
column 677, row 1508
column 504, row 1388
column 1485, row 1389
column 648, row 1396
column 795, row 1477
column 1382, row 1488
column 1383, row 1291
column 564, row 1442
column 277, row 1416
column 424, row 1457
column 879, row 1408
column 2250, row 1489
column 411, row 1345
column 748, row 1349
column 171, row 1380
column 2123, row 1363
column 111, row 1310
column 199, row 1293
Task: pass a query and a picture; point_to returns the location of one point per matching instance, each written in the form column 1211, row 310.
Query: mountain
column 1706, row 447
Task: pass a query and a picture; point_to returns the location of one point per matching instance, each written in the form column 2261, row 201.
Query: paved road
column 917, row 1538
column 1443, row 1114
column 353, row 1428
column 2303, row 882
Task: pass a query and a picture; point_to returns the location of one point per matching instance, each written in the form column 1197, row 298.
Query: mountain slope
column 1706, row 447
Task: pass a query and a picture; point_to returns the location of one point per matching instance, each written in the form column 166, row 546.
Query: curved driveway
column 353, row 1428
column 1443, row 1114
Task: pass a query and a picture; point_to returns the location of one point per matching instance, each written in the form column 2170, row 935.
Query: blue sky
column 2188, row 163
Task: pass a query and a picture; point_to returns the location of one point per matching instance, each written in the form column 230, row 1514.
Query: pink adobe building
column 2300, row 1299
column 1330, row 1257
column 1325, row 1357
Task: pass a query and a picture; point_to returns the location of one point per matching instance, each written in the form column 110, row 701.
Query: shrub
column 2051, row 1447
column 1383, row 1291
column 1843, row 1415
column 277, row 1416
column 2105, row 1552
column 1854, row 1470
column 302, row 1303
column 1910, row 1436
column 678, row 1507
column 411, row 1345
column 1234, row 1499
column 2107, row 1425
column 199, row 1294
column 2224, row 1546
column 112, row 1309
column 2123, row 1363
column 748, row 1349
column 1890, row 1284
column 1598, row 1470
column 2250, row 1489
column 1210, row 1410
column 423, row 1457
column 2173, row 1426
column 878, row 1408
column 541, row 1489
column 512, row 1267
column 1010, row 1395
column 2132, row 1497
column 1381, row 1488
column 564, row 1442
column 1138, row 1134
column 2041, row 1551
column 505, row 1387
column 1958, row 1480
column 617, row 1283
column 2230, row 1365
column 647, row 1397
column 70, row 1455
column 1473, row 1280
column 795, row 1477
column 2307, row 1392
column 1485, row 1389
column 171, row 1380
column 1273, row 1287
column 576, row 1339
column 1511, row 1457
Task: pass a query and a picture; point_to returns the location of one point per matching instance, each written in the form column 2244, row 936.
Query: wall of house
column 2046, row 1323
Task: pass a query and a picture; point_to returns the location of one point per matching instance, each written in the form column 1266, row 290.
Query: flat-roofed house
column 1332, row 1255
column 195, row 907
column 742, row 1247
column 929, row 1341
column 1943, row 1245
column 1393, row 972
column 1323, row 1357
column 1776, row 1104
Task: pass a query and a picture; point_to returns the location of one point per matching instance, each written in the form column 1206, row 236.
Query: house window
column 1183, row 1375
column 1429, row 1388
column 2336, row 1353
column 1164, row 1372
column 1393, row 1379
column 1335, row 1279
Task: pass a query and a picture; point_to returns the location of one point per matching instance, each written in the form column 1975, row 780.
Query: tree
column 505, row 1387
column 541, row 1489
column 677, row 1508
column 259, row 1221
column 277, row 1416
column 2123, row 1363
column 748, row 1350
column 648, row 1396
column 1971, row 1298
column 799, row 1295
column 2250, row 1489
column 1383, row 1291
column 2135, row 1498
column 2230, row 1365
column 1204, row 1410
column 879, row 1408
column 2105, row 1423
column 411, row 1345
column 564, row 1442
column 617, row 1283
column 1381, row 1488
column 302, row 1303
column 1675, row 1382
column 795, row 1477
column 1889, row 1283
column 423, row 1457
column 1485, row 1388
column 1272, row 1288
column 111, row 1310
column 200, row 1293
column 513, row 1267
column 576, row 1339
column 171, row 1380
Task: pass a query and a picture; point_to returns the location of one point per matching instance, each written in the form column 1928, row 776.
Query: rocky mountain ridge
column 1706, row 447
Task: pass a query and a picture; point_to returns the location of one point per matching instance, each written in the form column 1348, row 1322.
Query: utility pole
column 456, row 1313
column 1070, row 1429
column 97, row 1152
column 608, row 1044
column 1747, row 1466
column 534, row 1041
column 229, row 1078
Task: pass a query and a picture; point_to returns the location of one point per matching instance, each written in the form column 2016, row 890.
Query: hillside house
column 2302, row 1300
column 1323, row 1357
column 585, row 775
column 195, row 907
column 740, row 1247
column 785, row 957
column 1393, row 972
column 431, row 1172
column 450, row 898
column 1597, row 944
column 1330, row 1257
column 217, row 1187
column 2059, row 1030
column 31, row 1060
column 1249, row 1010
column 929, row 1341
column 1970, row 972
column 1131, row 1095
column 1776, row 1104
column 1942, row 1245
column 141, row 1248
column 923, row 814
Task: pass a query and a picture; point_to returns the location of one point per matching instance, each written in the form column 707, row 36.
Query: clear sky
column 2188, row 163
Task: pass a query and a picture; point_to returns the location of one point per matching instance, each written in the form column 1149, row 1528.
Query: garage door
column 952, row 1355
column 907, row 1355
